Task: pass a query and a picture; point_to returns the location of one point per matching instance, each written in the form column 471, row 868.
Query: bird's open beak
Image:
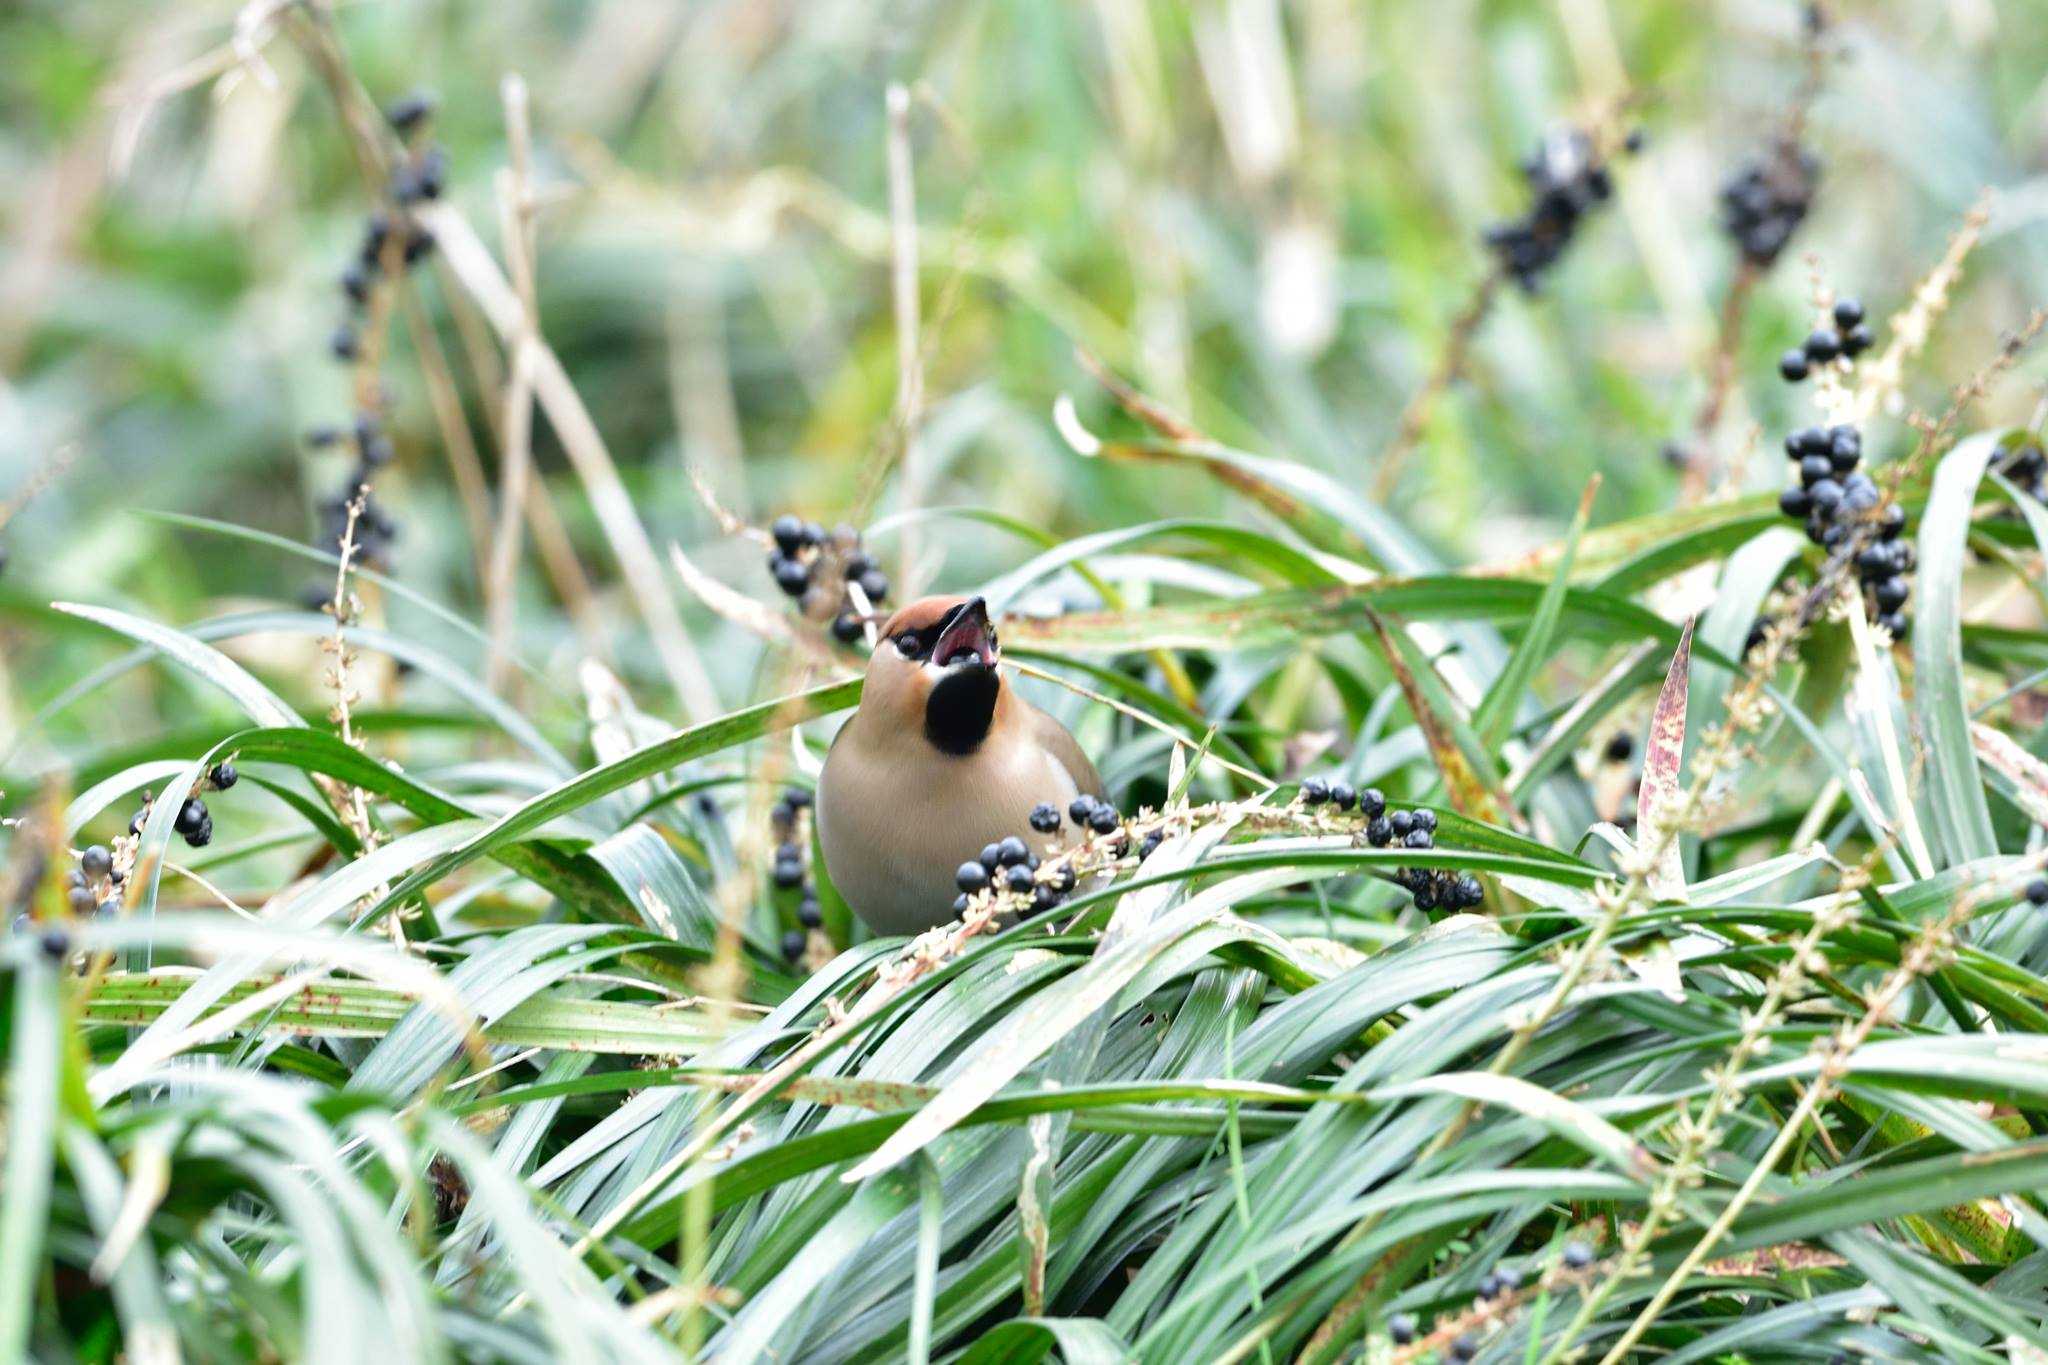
column 966, row 637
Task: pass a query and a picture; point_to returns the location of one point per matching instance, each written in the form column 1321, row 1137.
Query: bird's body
column 941, row 759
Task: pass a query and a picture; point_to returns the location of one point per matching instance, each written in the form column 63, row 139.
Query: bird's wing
column 1062, row 746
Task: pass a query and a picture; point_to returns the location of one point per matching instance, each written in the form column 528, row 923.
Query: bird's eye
column 909, row 644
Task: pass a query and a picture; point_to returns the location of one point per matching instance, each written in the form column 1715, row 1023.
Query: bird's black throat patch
column 957, row 717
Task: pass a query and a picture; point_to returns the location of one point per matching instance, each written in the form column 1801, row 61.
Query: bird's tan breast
column 896, row 817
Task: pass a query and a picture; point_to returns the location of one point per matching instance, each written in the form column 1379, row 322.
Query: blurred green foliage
column 1266, row 215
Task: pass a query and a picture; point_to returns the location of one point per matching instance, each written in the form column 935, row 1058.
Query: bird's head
column 934, row 673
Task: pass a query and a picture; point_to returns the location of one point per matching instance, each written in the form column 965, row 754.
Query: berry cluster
column 814, row 567
column 792, row 872
column 1567, row 179
column 375, row 531
column 94, row 887
column 1432, row 888
column 393, row 241
column 194, row 822
column 1763, row 204
column 1882, row 568
column 1010, row 865
column 1849, row 337
column 1403, row 1328
column 1845, row 514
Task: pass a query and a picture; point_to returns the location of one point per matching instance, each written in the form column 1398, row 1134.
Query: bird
column 941, row 758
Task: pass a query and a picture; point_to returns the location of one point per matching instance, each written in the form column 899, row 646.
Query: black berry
column 792, row 576
column 789, row 534
column 410, row 111
column 970, row 877
column 1565, row 180
column 1793, row 366
column 1845, row 448
column 191, row 816
column 1045, row 818
column 1763, row 203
